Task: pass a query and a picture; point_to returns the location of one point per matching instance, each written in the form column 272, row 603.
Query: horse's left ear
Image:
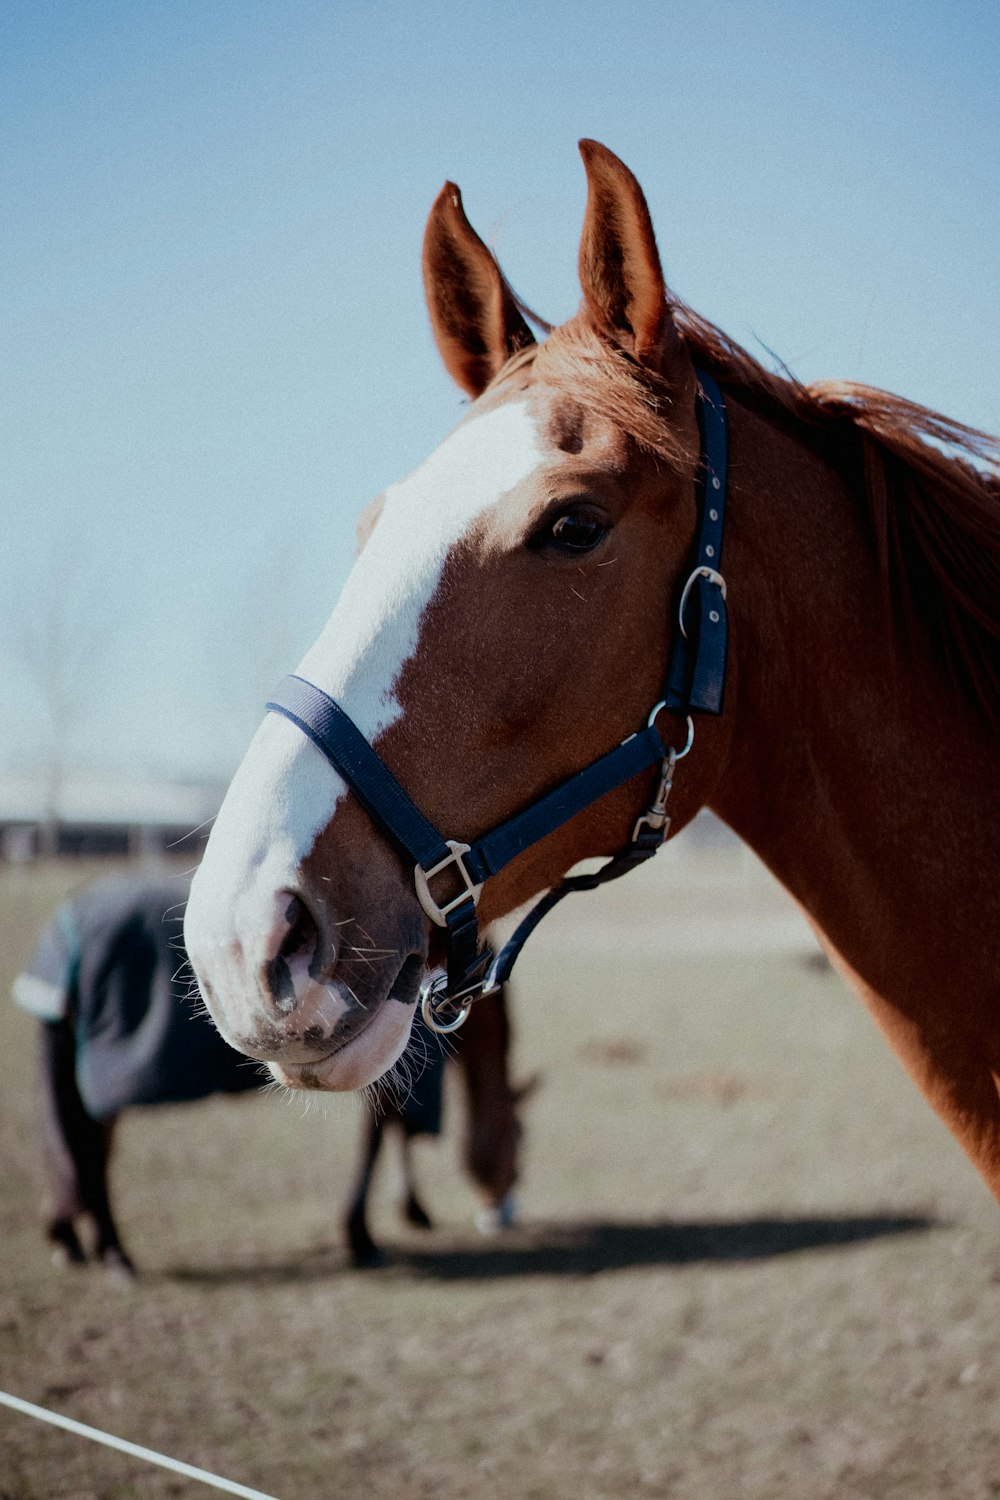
column 476, row 321
column 623, row 287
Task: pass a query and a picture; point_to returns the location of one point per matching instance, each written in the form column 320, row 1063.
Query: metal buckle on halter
column 656, row 818
column 435, row 1002
column 421, row 877
column 704, row 571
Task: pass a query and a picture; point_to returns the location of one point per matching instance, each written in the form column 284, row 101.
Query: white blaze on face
column 285, row 792
column 374, row 629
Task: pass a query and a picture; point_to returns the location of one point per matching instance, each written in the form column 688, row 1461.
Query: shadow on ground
column 584, row 1249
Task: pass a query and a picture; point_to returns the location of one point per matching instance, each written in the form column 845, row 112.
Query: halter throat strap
column 695, row 684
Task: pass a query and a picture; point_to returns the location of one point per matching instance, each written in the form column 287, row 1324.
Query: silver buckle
column 434, row 998
column 422, row 877
column 654, row 714
column 703, row 572
column 656, row 817
column 435, row 1002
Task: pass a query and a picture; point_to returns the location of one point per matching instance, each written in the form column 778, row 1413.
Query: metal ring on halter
column 677, row 754
column 431, row 992
column 703, row 572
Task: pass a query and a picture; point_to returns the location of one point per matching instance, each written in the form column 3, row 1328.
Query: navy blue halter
column 695, row 684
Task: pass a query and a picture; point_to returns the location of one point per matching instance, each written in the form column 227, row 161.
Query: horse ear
column 623, row 288
column 476, row 321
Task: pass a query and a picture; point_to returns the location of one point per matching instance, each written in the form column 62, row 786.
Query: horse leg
column 76, row 1149
column 62, row 1121
column 110, row 1250
column 413, row 1210
column 489, row 1153
column 365, row 1254
column 492, row 1124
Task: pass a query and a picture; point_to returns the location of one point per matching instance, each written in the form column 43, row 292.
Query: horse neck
column 855, row 771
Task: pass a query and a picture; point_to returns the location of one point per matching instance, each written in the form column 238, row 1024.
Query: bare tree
column 59, row 645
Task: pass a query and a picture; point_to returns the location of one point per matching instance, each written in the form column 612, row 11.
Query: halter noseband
column 695, row 682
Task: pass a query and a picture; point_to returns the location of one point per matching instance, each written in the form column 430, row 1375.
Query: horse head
column 506, row 622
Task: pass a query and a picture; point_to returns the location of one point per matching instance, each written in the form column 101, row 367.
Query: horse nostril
column 297, row 953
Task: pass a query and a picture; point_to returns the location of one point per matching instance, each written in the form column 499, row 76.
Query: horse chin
column 365, row 1056
column 374, row 1043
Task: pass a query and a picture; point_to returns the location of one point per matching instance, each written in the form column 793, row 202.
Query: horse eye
column 576, row 530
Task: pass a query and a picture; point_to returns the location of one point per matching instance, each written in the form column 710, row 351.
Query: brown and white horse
column 509, row 619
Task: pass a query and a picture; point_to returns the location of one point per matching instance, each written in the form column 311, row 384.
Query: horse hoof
column 365, row 1254
column 118, row 1267
column 372, row 1259
column 66, row 1248
column 502, row 1215
column 64, row 1259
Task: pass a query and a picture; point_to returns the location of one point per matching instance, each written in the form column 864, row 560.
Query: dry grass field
column 751, row 1263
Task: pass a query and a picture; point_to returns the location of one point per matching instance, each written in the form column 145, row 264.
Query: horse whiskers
column 448, row 1045
column 367, row 963
column 346, row 921
column 352, row 994
column 353, row 969
column 374, row 1096
column 190, row 835
column 369, row 957
column 401, row 1079
column 353, row 956
column 391, row 1092
column 305, row 1101
column 394, row 1089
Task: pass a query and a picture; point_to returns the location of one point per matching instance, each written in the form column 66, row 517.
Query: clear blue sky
column 214, row 343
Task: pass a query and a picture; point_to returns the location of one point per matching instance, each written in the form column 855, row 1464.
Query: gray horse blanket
column 111, row 964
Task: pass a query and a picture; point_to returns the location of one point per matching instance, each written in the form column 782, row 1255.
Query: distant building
column 99, row 812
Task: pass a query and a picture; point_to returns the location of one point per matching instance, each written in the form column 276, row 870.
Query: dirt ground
column 751, row 1263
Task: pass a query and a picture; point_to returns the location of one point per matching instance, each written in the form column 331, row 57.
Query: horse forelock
column 575, row 364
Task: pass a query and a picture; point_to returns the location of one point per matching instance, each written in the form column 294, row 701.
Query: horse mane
column 932, row 490
column 930, row 484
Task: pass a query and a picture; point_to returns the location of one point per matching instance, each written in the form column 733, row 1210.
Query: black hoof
column 365, row 1254
column 66, row 1247
column 374, row 1259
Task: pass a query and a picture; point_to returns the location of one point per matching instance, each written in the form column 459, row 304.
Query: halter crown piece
column 695, row 683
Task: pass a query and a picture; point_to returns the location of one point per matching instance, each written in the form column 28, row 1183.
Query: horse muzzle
column 287, row 984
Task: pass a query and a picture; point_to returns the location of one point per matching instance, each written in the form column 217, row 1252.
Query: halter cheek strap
column 695, row 683
column 696, row 677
